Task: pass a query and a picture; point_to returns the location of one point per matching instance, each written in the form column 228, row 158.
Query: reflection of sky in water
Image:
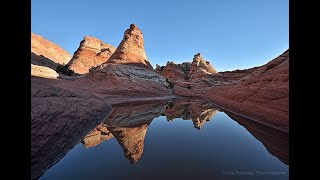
column 175, row 150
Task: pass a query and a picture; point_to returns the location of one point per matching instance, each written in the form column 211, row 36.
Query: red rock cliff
column 91, row 53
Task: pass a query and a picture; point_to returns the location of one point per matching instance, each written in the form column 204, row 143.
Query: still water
column 180, row 139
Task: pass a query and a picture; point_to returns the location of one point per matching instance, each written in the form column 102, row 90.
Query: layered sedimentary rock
column 187, row 72
column 131, row 49
column 262, row 95
column 45, row 57
column 44, row 72
column 127, row 72
column 186, row 76
column 224, row 77
column 200, row 67
column 46, row 53
column 174, row 72
column 91, row 53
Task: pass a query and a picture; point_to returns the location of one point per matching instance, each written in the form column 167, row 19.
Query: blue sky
column 231, row 34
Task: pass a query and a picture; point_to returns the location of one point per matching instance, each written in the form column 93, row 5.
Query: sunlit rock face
column 44, row 50
column 187, row 72
column 91, row 53
column 200, row 67
column 45, row 57
column 43, row 72
column 131, row 49
column 127, row 72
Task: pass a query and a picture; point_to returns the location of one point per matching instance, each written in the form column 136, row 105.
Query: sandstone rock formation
column 42, row 71
column 200, row 67
column 131, row 49
column 174, row 72
column 262, row 95
column 127, row 72
column 46, row 53
column 91, row 53
column 197, row 73
column 186, row 71
column 64, row 111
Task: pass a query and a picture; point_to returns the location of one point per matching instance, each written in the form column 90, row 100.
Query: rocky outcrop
column 199, row 73
column 174, row 72
column 44, row 72
column 46, row 53
column 200, row 67
column 186, row 71
column 262, row 95
column 131, row 49
column 127, row 72
column 91, row 53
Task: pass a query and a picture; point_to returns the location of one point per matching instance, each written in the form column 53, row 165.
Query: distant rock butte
column 131, row 49
column 200, row 67
column 196, row 71
column 44, row 50
column 91, row 53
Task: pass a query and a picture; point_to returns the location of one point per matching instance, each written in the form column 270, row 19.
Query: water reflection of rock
column 128, row 123
column 58, row 123
column 275, row 141
column 197, row 110
column 96, row 136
